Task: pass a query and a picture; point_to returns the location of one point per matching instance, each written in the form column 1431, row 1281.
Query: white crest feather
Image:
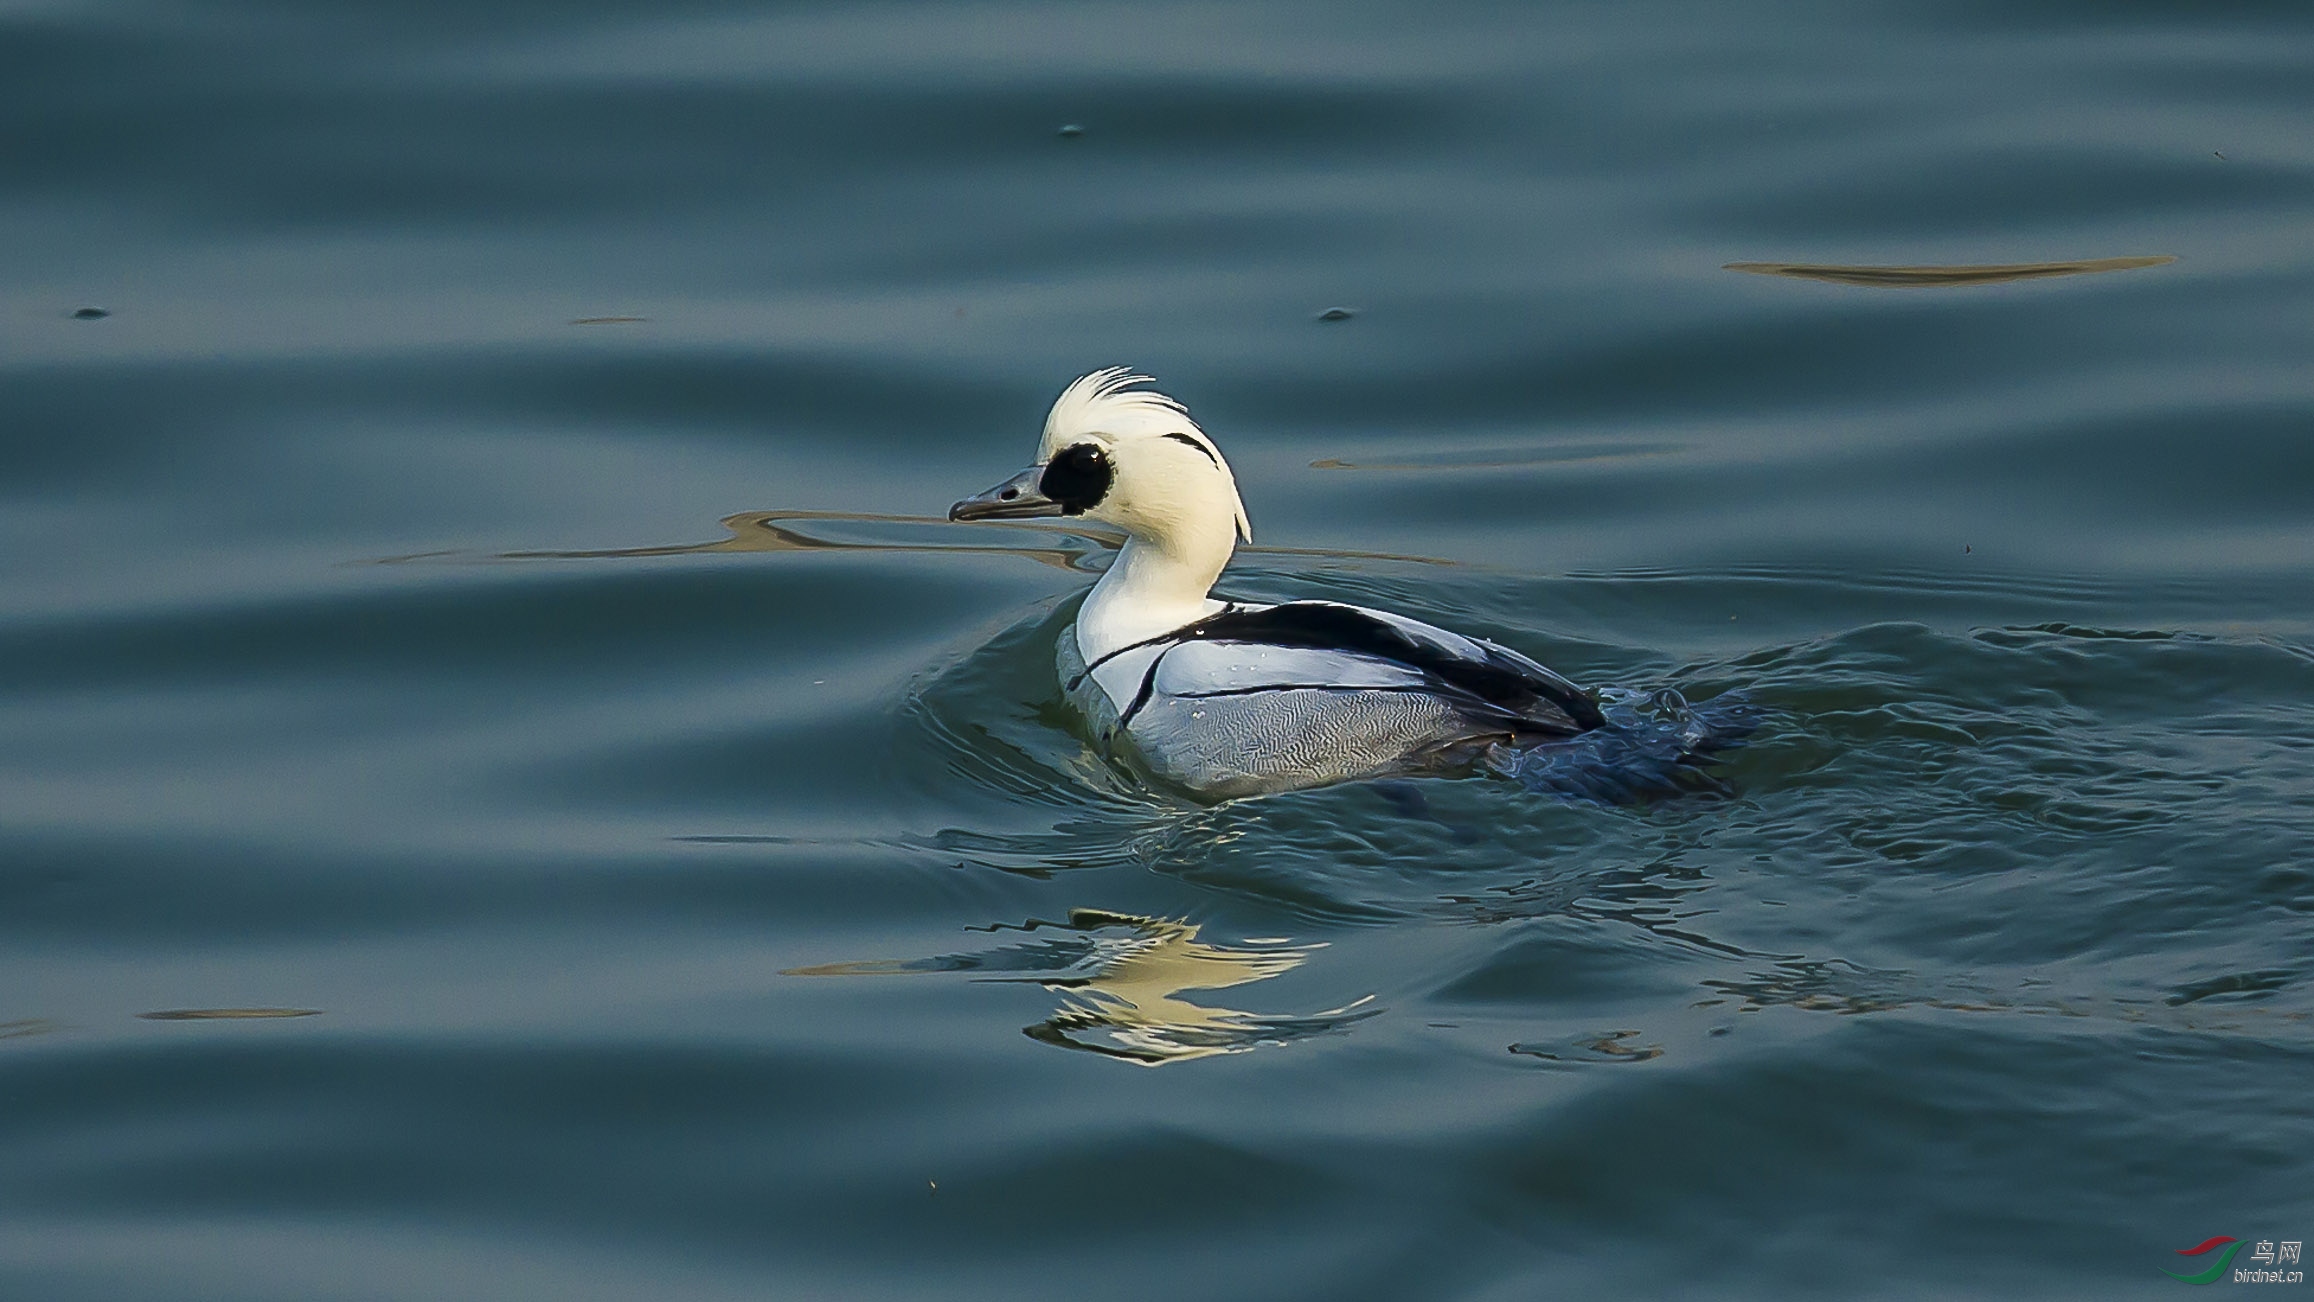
column 1106, row 407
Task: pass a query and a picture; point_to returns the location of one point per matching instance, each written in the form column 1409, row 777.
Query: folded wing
column 1327, row 645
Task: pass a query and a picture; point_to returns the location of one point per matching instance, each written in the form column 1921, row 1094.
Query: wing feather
column 1354, row 640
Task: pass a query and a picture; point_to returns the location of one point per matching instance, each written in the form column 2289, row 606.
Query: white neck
column 1151, row 589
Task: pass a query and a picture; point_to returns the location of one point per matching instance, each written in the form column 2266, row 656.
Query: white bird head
column 1130, row 457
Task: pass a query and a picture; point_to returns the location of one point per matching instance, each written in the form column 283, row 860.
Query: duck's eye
column 1077, row 477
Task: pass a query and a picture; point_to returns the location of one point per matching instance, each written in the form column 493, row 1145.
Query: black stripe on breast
column 1148, row 689
column 1172, row 635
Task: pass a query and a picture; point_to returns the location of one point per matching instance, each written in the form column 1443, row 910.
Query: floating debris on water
column 1337, row 314
column 608, row 320
column 225, row 1014
column 1921, row 277
column 1071, row 130
column 91, row 314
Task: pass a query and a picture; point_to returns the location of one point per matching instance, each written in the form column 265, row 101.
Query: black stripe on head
column 1184, row 438
column 1077, row 477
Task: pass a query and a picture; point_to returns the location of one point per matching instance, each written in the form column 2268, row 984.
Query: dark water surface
column 662, row 903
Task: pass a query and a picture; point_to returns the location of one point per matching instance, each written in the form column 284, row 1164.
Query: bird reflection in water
column 1121, row 978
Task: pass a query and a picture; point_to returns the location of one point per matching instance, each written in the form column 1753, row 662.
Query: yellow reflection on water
column 789, row 531
column 793, row 531
column 1121, row 978
column 1131, row 1007
column 1922, row 277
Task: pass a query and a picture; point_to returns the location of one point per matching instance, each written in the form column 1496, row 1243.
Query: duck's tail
column 1653, row 745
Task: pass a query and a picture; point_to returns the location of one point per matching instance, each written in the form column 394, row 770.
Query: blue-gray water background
column 668, row 912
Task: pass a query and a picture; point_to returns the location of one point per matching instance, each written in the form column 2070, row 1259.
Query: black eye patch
column 1077, row 477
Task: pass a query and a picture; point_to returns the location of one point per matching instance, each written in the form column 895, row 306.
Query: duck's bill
column 1017, row 498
